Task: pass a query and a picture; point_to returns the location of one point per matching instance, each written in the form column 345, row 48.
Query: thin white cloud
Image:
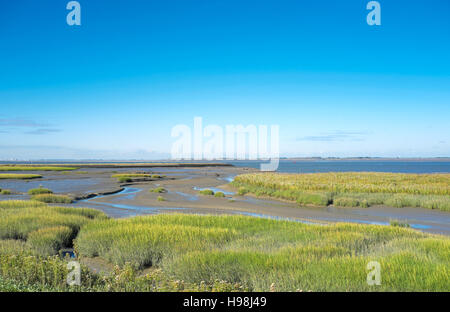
column 8, row 125
column 42, row 131
column 335, row 136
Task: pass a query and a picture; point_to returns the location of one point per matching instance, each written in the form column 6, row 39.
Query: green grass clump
column 19, row 219
column 206, row 192
column 242, row 191
column 31, row 236
column 39, row 190
column 23, row 272
column 19, row 176
column 351, row 189
column 219, row 194
column 260, row 253
column 52, row 199
column 48, row 241
column 159, row 189
column 128, row 177
column 160, row 198
column 5, row 192
column 35, row 168
column 124, row 179
column 131, row 175
column 12, row 204
column 398, row 223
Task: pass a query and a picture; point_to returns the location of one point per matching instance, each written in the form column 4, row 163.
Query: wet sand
column 183, row 183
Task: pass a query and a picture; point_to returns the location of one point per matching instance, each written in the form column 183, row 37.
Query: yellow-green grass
column 39, row 190
column 131, row 175
column 158, row 189
column 19, row 176
column 351, row 189
column 5, row 192
column 32, row 233
column 258, row 253
column 22, row 271
column 207, row 192
column 160, row 198
column 128, row 177
column 35, row 168
column 52, row 198
column 20, row 218
column 219, row 194
column 48, row 241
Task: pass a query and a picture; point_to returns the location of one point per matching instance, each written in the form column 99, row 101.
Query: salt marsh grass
column 19, row 176
column 207, row 192
column 131, row 175
column 158, row 189
column 219, row 194
column 260, row 252
column 48, row 241
column 128, row 177
column 52, row 199
column 39, row 190
column 351, row 189
column 19, row 218
column 35, row 168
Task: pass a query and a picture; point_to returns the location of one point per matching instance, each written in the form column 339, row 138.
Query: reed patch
column 351, row 189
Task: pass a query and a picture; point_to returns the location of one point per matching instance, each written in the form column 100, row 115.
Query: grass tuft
column 19, row 176
column 39, row 190
column 351, row 189
column 207, row 192
column 219, row 194
column 159, row 189
column 52, row 199
column 35, row 168
column 258, row 253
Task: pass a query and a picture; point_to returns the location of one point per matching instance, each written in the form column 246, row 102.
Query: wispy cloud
column 39, row 152
column 335, row 136
column 17, row 122
column 8, row 125
column 43, row 131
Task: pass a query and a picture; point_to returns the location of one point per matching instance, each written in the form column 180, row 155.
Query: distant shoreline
column 366, row 159
column 121, row 165
column 202, row 163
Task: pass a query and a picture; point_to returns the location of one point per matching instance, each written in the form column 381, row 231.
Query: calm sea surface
column 302, row 166
column 293, row 166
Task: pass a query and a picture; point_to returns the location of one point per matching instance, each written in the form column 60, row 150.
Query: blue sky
column 116, row 85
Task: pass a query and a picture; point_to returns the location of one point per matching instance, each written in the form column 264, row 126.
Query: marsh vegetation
column 130, row 177
column 351, row 189
column 212, row 253
column 206, row 192
column 52, row 198
column 35, row 168
column 19, row 176
column 158, row 189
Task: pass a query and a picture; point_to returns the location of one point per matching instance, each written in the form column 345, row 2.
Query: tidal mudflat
column 101, row 188
column 166, row 224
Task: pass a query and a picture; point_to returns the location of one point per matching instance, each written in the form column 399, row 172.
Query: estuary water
column 399, row 166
